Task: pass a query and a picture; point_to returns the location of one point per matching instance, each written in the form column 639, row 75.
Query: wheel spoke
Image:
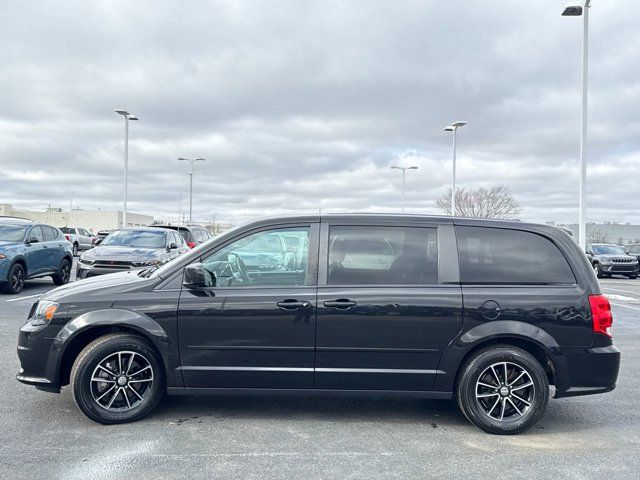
column 110, row 372
column 485, row 395
column 528, row 404
column 105, row 393
column 514, row 406
column 141, row 380
column 487, row 385
column 120, row 363
column 102, row 380
column 126, row 397
column 495, row 374
column 134, row 391
column 522, row 373
column 493, row 407
column 506, row 373
column 520, row 387
column 504, row 403
column 130, row 363
column 140, row 371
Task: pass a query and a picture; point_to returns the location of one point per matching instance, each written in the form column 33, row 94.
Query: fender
column 452, row 357
column 143, row 324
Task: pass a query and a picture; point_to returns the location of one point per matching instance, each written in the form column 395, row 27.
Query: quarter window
column 502, row 256
column 382, row 256
column 262, row 259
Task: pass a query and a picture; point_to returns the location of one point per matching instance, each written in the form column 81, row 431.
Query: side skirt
column 309, row 391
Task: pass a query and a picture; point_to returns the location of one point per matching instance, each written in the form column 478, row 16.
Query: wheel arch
column 84, row 329
column 529, row 338
column 22, row 261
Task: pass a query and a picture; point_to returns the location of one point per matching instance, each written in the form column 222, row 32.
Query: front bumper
column 38, row 360
column 585, row 371
column 619, row 268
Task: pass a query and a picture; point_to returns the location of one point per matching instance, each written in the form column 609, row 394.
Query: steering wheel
column 241, row 269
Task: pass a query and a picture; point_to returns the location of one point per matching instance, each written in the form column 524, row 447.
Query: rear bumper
column 585, row 371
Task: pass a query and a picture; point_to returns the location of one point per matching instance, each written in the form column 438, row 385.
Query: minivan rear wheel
column 117, row 378
column 503, row 390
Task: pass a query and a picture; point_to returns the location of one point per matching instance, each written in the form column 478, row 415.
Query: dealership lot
column 44, row 435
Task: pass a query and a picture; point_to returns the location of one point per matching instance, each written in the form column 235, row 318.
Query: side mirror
column 33, row 240
column 589, row 252
column 172, row 246
column 194, row 276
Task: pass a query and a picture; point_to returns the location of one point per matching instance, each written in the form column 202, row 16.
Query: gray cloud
column 303, row 105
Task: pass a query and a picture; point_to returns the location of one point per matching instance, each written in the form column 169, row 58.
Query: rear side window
column 502, row 256
column 49, row 233
column 68, row 230
column 187, row 235
column 382, row 256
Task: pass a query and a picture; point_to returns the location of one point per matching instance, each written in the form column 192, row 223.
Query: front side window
column 502, row 256
column 136, row 238
column 262, row 259
column 382, row 256
column 36, row 232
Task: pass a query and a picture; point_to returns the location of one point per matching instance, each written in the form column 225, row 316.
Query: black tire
column 598, row 270
column 516, row 416
column 15, row 279
column 64, row 273
column 85, row 389
column 74, row 250
column 634, row 276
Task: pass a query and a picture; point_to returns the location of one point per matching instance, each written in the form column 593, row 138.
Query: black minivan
column 498, row 315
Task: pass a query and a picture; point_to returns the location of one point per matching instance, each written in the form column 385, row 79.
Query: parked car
column 32, row 250
column 131, row 249
column 608, row 259
column 533, row 316
column 633, row 250
column 80, row 238
column 101, row 235
column 193, row 234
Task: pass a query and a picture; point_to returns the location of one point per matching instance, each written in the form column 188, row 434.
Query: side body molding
column 141, row 323
column 452, row 357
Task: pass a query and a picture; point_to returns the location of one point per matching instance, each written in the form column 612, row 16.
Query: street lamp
column 127, row 116
column 404, row 170
column 192, row 161
column 454, row 128
column 576, row 11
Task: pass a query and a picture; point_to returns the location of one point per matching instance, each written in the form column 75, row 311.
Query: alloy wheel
column 66, row 272
column 122, row 381
column 17, row 279
column 505, row 391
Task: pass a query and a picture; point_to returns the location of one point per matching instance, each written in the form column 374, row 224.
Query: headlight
column 147, row 263
column 44, row 312
column 84, row 261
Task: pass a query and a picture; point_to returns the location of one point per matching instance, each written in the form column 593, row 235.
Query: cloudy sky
column 303, row 105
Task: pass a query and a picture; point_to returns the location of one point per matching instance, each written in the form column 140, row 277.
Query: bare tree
column 212, row 224
column 597, row 235
column 493, row 202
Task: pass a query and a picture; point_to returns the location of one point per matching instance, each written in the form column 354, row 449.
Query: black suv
column 192, row 234
column 490, row 313
column 608, row 259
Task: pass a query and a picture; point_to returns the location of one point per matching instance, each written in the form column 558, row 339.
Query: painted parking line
column 623, row 291
column 621, row 298
column 24, row 298
column 625, row 306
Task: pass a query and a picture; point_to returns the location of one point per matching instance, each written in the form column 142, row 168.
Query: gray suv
column 608, row 259
column 80, row 238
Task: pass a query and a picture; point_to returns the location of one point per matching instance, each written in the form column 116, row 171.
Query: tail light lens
column 601, row 314
column 68, row 238
column 191, row 244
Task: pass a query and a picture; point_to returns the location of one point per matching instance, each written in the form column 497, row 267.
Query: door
column 254, row 325
column 54, row 247
column 386, row 309
column 36, row 253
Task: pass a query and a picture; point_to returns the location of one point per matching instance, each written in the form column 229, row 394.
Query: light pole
column 192, row 161
column 127, row 116
column 404, row 171
column 576, row 11
column 454, row 128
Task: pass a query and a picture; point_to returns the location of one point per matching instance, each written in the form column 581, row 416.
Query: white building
column 92, row 220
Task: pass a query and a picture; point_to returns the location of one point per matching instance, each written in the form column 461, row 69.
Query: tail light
column 68, row 238
column 191, row 244
column 601, row 314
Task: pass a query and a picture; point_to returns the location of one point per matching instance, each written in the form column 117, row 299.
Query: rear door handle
column 342, row 303
column 293, row 304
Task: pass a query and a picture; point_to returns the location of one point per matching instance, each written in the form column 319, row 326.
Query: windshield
column 608, row 250
column 136, row 238
column 68, row 230
column 12, row 233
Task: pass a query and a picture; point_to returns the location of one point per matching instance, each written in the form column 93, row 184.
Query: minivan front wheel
column 117, row 378
column 503, row 390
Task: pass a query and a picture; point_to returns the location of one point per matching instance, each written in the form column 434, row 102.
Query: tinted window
column 49, row 233
column 501, row 256
column 262, row 259
column 68, row 230
column 36, row 232
column 382, row 256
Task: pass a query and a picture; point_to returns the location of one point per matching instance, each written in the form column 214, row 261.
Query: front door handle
column 293, row 304
column 341, row 303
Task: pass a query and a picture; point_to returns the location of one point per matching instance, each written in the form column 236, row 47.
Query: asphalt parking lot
column 44, row 435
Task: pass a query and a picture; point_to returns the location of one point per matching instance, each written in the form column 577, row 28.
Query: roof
column 15, row 221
